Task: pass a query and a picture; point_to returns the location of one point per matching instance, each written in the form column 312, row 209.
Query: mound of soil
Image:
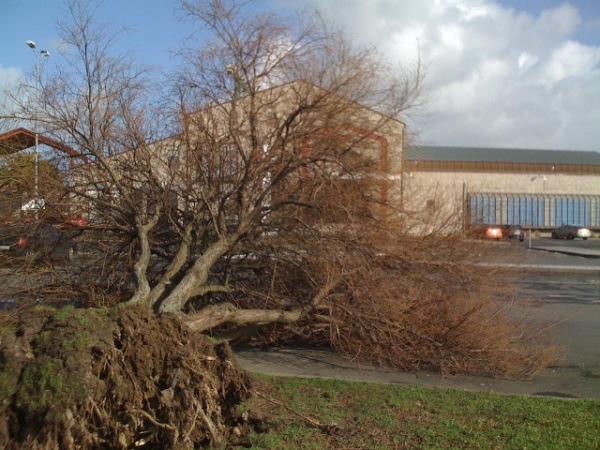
column 121, row 379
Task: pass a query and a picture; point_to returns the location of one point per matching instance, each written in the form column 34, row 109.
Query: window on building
column 173, row 158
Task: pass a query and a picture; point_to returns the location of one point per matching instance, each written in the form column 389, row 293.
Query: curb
column 571, row 252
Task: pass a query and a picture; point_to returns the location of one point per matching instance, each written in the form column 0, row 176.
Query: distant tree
column 17, row 182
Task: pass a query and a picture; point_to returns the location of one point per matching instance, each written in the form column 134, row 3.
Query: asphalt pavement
column 564, row 380
column 543, row 256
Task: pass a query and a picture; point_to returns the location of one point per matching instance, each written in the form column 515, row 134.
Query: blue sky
column 500, row 73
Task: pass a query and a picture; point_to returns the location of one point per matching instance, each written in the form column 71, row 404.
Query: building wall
column 540, row 200
column 330, row 121
column 518, row 183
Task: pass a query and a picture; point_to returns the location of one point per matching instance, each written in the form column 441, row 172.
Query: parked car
column 571, row 232
column 486, row 231
column 39, row 241
column 514, row 232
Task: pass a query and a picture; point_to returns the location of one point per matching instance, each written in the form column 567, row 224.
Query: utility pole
column 36, row 187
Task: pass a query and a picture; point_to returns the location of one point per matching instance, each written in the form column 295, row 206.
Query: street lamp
column 543, row 178
column 39, row 55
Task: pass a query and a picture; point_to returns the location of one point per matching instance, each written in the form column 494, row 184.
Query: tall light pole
column 39, row 55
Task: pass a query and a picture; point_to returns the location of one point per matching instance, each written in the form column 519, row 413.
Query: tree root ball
column 122, row 378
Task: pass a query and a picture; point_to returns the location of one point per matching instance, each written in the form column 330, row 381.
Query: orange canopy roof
column 20, row 139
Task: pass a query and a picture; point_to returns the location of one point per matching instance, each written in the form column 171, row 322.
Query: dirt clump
column 118, row 379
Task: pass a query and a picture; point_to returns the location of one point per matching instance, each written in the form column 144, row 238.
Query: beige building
column 455, row 186
column 288, row 125
column 540, row 189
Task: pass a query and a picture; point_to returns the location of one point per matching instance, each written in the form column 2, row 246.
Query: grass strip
column 356, row 415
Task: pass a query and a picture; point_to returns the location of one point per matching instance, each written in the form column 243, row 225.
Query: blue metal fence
column 534, row 210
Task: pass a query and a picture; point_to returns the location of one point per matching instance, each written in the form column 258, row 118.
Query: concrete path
column 556, row 382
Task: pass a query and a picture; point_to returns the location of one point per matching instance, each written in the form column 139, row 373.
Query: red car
column 496, row 231
column 486, row 231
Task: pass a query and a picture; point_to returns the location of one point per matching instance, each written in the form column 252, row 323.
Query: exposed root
column 124, row 380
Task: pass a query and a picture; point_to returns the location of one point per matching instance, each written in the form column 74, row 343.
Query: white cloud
column 9, row 77
column 571, row 60
column 526, row 61
column 497, row 76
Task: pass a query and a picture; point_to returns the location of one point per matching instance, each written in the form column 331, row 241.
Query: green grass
column 373, row 416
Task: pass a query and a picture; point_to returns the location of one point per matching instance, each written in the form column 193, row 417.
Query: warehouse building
column 541, row 189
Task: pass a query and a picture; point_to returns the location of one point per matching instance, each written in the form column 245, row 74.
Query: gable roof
column 14, row 141
column 500, row 155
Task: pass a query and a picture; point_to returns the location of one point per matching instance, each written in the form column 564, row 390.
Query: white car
column 571, row 232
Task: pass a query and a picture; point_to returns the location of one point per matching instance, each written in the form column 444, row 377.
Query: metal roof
column 21, row 139
column 500, row 155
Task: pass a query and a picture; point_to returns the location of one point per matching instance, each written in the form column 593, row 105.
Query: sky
column 499, row 73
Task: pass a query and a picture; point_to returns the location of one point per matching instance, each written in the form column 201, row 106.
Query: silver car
column 571, row 232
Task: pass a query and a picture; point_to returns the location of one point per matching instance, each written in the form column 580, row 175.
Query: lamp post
column 544, row 178
column 39, row 55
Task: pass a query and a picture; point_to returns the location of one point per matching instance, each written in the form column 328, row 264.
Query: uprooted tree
column 261, row 202
column 261, row 199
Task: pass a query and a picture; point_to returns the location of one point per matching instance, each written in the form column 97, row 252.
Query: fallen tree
column 258, row 203
column 261, row 190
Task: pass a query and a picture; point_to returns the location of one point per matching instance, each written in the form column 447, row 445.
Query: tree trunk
column 215, row 315
column 195, row 279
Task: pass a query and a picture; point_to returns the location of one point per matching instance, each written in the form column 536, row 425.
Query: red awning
column 20, row 139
